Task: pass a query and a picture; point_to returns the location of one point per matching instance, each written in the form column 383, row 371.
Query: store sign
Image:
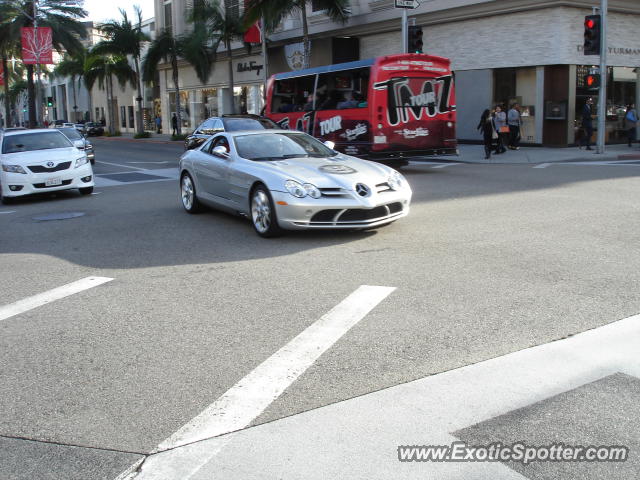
column 249, row 67
column 616, row 50
column 294, row 53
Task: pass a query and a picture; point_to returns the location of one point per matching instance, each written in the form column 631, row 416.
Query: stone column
column 539, row 104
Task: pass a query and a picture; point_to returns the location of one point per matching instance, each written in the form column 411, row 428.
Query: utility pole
column 602, row 103
column 405, row 43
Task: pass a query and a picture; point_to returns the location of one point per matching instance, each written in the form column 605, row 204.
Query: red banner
column 253, row 34
column 37, row 47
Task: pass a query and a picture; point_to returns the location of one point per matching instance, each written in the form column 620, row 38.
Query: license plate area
column 52, row 182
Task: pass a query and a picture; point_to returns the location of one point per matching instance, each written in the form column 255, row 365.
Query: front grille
column 43, row 185
column 395, row 207
column 324, row 216
column 43, row 169
column 360, row 215
column 333, row 192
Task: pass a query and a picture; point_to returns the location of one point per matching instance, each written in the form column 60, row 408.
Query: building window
column 131, row 119
column 123, row 117
column 316, row 6
column 233, row 8
column 168, row 19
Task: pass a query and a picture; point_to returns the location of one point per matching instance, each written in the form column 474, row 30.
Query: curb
column 140, row 140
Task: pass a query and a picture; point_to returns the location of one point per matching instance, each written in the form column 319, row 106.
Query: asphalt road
column 493, row 259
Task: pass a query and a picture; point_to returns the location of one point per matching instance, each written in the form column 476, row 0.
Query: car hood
column 330, row 172
column 36, row 157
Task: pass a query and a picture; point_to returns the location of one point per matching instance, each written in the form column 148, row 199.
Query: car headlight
column 312, row 190
column 13, row 169
column 81, row 161
column 295, row 189
column 395, row 181
column 88, row 146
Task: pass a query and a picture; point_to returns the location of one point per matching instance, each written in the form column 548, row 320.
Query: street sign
column 412, row 4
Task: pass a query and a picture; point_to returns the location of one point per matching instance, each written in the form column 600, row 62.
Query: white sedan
column 38, row 161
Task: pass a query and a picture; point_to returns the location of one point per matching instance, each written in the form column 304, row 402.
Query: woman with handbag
column 488, row 133
column 500, row 125
column 630, row 122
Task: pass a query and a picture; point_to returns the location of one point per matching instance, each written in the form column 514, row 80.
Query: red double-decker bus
column 391, row 107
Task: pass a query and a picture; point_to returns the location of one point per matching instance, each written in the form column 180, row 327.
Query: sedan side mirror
column 79, row 144
column 329, row 144
column 220, row 151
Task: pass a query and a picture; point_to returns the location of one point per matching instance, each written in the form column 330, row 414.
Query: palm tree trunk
column 140, row 129
column 75, row 100
column 109, row 86
column 7, row 106
column 230, row 60
column 31, row 97
column 174, row 66
column 305, row 36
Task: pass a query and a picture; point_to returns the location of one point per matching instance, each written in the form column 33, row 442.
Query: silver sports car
column 284, row 179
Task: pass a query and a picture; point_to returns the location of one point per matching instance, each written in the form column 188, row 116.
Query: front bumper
column 344, row 212
column 31, row 183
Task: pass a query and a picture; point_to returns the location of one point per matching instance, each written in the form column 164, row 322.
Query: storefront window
column 621, row 91
column 185, row 111
column 209, row 103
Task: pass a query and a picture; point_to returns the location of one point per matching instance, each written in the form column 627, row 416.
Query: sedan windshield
column 28, row 142
column 278, row 146
column 71, row 133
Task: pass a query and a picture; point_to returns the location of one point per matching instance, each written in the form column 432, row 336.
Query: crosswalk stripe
column 49, row 296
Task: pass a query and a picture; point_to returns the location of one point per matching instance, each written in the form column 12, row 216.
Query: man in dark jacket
column 587, row 122
column 174, row 124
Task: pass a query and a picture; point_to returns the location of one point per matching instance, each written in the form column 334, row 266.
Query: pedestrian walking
column 587, row 122
column 502, row 129
column 514, row 119
column 158, row 121
column 174, row 124
column 488, row 132
column 630, row 122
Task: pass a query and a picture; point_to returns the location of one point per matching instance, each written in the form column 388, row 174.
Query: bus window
column 344, row 89
column 291, row 94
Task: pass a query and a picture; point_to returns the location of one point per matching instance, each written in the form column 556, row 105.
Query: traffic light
column 592, row 34
column 592, row 81
column 49, row 101
column 414, row 40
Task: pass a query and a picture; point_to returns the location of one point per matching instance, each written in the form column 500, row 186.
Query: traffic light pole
column 405, row 31
column 602, row 101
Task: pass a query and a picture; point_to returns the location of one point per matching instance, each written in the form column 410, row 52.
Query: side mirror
column 79, row 144
column 329, row 144
column 220, row 151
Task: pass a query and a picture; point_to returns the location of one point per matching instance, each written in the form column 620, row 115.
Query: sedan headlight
column 88, row 146
column 13, row 169
column 396, row 181
column 81, row 161
column 312, row 190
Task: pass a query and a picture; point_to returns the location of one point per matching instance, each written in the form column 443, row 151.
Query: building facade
column 502, row 52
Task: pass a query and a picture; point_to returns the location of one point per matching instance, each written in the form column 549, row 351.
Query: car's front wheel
column 188, row 194
column 263, row 213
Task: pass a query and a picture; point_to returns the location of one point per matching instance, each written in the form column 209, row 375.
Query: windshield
column 28, row 142
column 238, row 124
column 278, row 146
column 71, row 133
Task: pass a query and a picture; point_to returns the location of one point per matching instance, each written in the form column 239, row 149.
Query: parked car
column 93, row 128
column 284, row 179
column 80, row 127
column 226, row 123
column 38, row 161
column 80, row 142
column 59, row 123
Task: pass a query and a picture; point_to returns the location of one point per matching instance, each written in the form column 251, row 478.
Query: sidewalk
column 536, row 155
column 155, row 138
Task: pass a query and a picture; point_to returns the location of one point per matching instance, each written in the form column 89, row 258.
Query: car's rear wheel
column 86, row 190
column 188, row 194
column 263, row 213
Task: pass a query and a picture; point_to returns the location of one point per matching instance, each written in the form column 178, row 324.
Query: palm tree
column 72, row 67
column 225, row 26
column 123, row 37
column 275, row 11
column 192, row 47
column 102, row 68
column 60, row 15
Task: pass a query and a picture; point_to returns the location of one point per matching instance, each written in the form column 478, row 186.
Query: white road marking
column 35, row 301
column 248, row 398
column 96, row 193
column 444, row 165
column 542, row 165
column 155, row 163
column 118, row 165
column 7, row 212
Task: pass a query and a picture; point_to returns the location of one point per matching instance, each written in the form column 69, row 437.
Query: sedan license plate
column 52, row 182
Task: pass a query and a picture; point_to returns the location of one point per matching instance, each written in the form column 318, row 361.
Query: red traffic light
column 590, row 23
column 590, row 80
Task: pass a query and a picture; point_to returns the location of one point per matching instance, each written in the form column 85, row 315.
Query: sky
column 101, row 10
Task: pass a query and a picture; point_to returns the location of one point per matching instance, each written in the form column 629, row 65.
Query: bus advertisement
column 391, row 107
